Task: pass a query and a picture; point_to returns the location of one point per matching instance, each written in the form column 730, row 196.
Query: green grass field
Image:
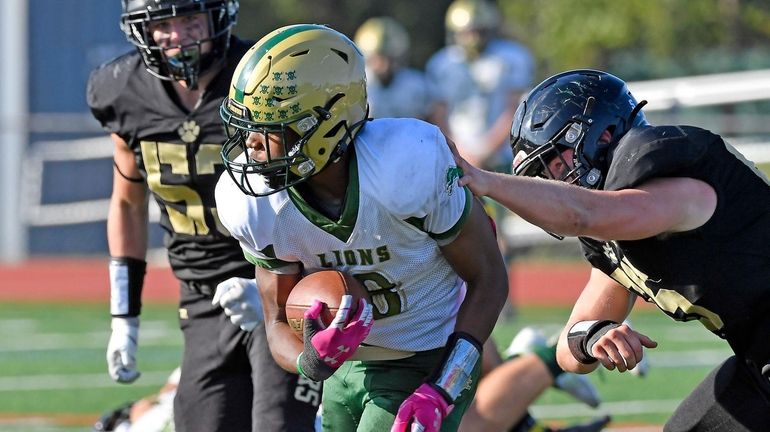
column 53, row 374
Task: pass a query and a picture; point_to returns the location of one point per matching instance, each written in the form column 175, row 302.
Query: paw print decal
column 189, row 131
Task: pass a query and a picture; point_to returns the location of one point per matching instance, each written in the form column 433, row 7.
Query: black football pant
column 734, row 397
column 230, row 382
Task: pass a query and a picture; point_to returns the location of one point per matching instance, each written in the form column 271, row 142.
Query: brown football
column 327, row 286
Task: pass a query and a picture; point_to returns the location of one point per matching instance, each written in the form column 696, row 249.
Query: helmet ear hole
column 334, row 130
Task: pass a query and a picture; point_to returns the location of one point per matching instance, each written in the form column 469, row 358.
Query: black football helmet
column 572, row 110
column 190, row 63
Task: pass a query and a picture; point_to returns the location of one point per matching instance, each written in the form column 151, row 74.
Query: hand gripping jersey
column 719, row 273
column 402, row 200
column 177, row 153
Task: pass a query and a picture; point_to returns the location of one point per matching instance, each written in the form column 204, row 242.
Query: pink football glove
column 424, row 410
column 327, row 348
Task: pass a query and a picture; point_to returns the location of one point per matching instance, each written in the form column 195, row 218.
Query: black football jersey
column 178, row 154
column 719, row 273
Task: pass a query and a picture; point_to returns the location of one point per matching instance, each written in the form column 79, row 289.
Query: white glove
column 240, row 300
column 121, row 350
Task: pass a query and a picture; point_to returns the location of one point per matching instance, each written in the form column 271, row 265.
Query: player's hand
column 474, row 178
column 240, row 300
column 621, row 348
column 327, row 348
column 121, row 350
column 424, row 410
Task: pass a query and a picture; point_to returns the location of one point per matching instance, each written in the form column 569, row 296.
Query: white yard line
column 74, row 381
column 618, row 408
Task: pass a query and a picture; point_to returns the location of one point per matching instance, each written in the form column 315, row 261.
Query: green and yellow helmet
column 307, row 79
column 382, row 36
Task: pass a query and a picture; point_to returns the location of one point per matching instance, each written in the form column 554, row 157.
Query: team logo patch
column 189, row 131
column 452, row 174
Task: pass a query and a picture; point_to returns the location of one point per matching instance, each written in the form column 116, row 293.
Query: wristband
column 299, row 365
column 126, row 282
column 584, row 334
column 461, row 354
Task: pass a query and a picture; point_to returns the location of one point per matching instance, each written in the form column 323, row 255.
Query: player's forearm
column 284, row 344
column 481, row 307
column 127, row 230
column 601, row 299
column 554, row 206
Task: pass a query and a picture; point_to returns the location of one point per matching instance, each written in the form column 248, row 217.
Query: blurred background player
column 161, row 106
column 153, row 413
column 512, row 382
column 393, row 88
column 482, row 77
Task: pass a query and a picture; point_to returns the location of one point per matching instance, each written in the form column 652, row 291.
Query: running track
column 86, row 280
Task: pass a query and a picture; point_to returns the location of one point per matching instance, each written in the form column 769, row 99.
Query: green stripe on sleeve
column 461, row 222
column 268, row 264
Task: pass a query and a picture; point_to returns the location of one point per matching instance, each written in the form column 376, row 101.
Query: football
column 327, row 286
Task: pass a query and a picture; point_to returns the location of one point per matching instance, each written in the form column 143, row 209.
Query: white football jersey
column 402, row 200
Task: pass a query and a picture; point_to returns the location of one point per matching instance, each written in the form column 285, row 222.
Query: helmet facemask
column 191, row 61
column 280, row 171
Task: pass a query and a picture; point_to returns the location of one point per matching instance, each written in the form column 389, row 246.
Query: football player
column 313, row 183
column 392, row 88
column 160, row 105
column 672, row 214
column 481, row 76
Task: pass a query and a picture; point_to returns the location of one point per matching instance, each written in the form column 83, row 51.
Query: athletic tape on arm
column 126, row 282
column 584, row 334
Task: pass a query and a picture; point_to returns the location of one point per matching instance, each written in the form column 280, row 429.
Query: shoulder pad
column 647, row 152
column 107, row 82
column 416, row 154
